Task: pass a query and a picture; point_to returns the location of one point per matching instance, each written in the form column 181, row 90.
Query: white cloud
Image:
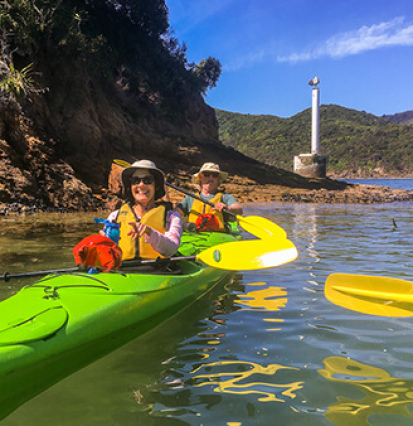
column 189, row 14
column 385, row 34
column 245, row 61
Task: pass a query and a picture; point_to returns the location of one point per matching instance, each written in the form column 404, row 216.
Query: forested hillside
column 356, row 143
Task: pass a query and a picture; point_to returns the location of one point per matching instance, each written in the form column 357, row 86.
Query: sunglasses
column 208, row 174
column 147, row 180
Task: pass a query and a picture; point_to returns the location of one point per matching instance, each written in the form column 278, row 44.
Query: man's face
column 209, row 182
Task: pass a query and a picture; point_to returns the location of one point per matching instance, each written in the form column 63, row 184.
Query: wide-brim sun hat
column 212, row 168
column 144, row 165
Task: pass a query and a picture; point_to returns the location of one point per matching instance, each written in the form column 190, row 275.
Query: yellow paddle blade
column 250, row 254
column 122, row 163
column 261, row 227
column 384, row 296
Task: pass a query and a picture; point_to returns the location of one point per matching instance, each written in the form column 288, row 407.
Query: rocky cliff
column 57, row 150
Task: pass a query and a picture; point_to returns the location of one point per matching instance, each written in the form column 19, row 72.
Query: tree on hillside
column 209, row 71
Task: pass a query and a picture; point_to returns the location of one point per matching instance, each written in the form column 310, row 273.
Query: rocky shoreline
column 247, row 190
column 352, row 194
column 244, row 189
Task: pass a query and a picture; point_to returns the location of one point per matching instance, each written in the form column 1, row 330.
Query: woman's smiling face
column 143, row 186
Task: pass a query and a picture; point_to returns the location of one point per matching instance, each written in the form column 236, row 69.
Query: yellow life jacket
column 155, row 218
column 198, row 207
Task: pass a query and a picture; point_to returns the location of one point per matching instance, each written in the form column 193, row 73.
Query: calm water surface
column 391, row 183
column 266, row 349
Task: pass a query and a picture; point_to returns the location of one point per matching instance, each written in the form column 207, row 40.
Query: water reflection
column 237, row 377
column 305, row 223
column 217, row 366
column 267, row 299
column 383, row 394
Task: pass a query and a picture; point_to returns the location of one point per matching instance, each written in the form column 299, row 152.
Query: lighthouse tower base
column 310, row 165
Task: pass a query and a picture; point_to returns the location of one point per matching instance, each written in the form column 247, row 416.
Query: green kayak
column 61, row 323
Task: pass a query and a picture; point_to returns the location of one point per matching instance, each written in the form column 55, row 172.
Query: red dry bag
column 207, row 222
column 98, row 251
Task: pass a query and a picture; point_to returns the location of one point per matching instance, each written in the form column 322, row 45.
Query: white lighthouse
column 315, row 115
column 312, row 165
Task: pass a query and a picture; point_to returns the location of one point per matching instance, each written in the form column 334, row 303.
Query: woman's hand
column 138, row 229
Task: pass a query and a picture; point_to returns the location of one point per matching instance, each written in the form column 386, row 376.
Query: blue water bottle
column 111, row 230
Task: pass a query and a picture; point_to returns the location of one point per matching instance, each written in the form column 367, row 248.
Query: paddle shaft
column 398, row 297
column 159, row 260
column 7, row 276
column 200, row 199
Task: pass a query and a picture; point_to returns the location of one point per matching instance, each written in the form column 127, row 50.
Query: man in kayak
column 203, row 215
column 149, row 228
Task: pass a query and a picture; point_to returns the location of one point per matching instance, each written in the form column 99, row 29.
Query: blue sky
column 361, row 50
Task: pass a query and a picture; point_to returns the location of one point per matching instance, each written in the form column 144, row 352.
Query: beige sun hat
column 145, row 165
column 213, row 168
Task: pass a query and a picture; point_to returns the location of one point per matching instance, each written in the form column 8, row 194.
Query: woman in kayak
column 149, row 227
column 209, row 178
